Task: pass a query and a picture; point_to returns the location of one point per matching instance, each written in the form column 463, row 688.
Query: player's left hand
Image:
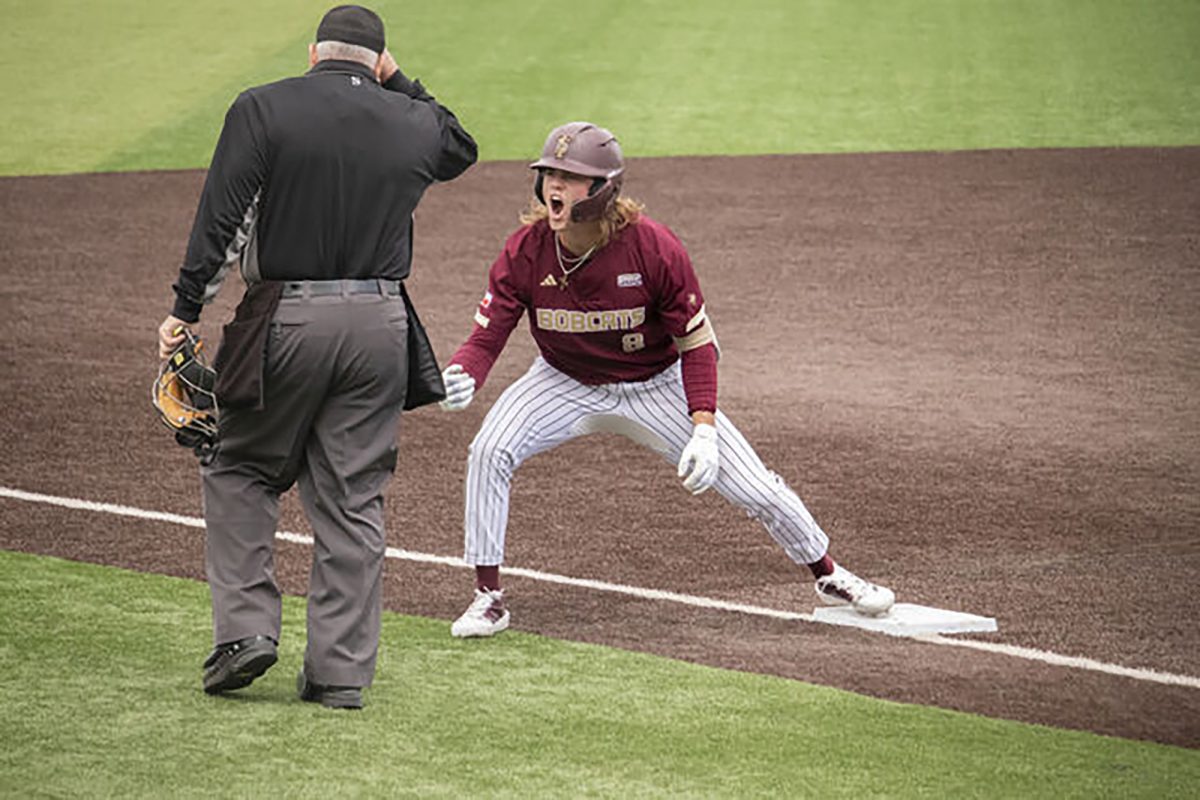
column 698, row 466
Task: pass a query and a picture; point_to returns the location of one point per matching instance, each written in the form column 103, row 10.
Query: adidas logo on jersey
column 549, row 281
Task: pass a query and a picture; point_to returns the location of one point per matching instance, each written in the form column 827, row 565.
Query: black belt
column 382, row 286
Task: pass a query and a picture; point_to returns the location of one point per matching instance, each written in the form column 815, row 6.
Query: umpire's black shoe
column 328, row 696
column 234, row 665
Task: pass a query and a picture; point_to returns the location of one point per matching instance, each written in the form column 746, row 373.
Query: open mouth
column 556, row 204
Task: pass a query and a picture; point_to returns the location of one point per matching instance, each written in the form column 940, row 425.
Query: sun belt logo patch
column 629, row 280
column 486, row 301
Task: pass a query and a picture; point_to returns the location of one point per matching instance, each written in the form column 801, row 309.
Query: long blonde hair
column 619, row 215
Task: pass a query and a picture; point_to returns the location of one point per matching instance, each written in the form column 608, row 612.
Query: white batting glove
column 460, row 388
column 698, row 466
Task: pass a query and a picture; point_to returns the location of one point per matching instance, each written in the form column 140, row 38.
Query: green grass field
column 102, row 666
column 104, row 699
column 126, row 84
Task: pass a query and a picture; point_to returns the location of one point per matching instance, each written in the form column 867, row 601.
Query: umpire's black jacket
column 316, row 177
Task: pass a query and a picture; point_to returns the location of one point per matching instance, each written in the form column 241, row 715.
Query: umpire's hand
column 170, row 335
column 387, row 66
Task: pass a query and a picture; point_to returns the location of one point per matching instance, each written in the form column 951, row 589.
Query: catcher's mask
column 584, row 149
column 183, row 395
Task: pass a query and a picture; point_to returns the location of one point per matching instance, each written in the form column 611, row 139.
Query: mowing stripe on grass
column 1027, row 653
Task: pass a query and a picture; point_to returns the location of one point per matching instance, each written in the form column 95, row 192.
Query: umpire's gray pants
column 335, row 380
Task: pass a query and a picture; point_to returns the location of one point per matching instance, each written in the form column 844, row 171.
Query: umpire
column 312, row 189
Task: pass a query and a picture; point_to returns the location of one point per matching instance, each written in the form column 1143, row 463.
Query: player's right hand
column 460, row 388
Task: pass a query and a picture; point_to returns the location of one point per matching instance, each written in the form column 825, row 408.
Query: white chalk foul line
column 1028, row 653
column 1074, row 662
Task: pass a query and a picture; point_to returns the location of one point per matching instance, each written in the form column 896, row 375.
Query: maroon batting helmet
column 584, row 149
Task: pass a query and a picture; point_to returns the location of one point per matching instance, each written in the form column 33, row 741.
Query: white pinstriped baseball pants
column 545, row 408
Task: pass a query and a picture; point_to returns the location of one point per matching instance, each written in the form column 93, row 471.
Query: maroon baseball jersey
column 622, row 316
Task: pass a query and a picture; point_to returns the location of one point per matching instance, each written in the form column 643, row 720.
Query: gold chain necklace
column 575, row 263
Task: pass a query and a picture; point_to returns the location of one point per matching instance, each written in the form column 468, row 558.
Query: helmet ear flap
column 603, row 194
column 537, row 187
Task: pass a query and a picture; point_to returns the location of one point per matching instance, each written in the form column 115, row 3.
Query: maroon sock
column 823, row 567
column 487, row 579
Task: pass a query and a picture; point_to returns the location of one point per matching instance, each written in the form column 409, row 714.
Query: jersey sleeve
column 699, row 368
column 498, row 312
column 458, row 150
column 227, row 203
column 680, row 301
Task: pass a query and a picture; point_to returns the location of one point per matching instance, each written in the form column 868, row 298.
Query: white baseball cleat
column 843, row 588
column 486, row 616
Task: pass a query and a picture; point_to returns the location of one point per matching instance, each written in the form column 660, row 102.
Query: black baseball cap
column 352, row 25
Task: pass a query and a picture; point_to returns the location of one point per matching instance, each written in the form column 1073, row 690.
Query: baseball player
column 625, row 346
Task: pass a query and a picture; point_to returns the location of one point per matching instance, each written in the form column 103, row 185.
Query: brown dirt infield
column 980, row 371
